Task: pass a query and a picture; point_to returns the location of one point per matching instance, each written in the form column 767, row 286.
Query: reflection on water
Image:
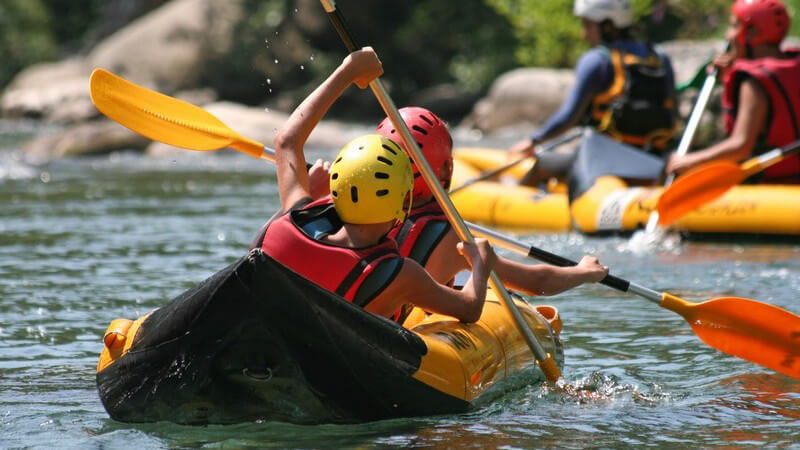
column 106, row 237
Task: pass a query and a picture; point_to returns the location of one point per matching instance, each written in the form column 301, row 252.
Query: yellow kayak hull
column 613, row 206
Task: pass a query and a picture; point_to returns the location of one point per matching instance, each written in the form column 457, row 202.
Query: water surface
column 84, row 241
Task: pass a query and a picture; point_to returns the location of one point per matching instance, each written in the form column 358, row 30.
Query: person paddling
column 341, row 242
column 623, row 88
column 760, row 97
column 427, row 237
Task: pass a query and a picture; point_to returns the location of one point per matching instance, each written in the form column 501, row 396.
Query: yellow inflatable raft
column 612, row 205
column 258, row 342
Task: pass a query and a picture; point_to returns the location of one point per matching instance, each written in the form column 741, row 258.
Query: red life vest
column 780, row 78
column 421, row 232
column 293, row 240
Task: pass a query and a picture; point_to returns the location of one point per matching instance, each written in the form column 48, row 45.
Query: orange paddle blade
column 696, row 188
column 758, row 332
column 163, row 118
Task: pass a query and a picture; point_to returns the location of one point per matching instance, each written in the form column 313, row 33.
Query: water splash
column 644, row 242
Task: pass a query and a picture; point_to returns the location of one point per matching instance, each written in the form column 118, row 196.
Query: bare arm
column 359, row 67
column 414, row 285
column 542, row 279
column 751, row 118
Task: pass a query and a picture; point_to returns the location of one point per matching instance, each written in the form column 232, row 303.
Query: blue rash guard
column 593, row 75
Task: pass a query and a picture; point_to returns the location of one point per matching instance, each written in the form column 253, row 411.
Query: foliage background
column 462, row 45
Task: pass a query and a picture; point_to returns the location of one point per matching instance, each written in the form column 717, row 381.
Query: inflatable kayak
column 256, row 341
column 609, row 204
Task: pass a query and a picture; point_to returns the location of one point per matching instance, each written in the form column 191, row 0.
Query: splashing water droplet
column 311, row 58
column 302, row 67
column 266, row 110
column 270, row 90
column 295, row 10
column 276, row 60
column 269, row 80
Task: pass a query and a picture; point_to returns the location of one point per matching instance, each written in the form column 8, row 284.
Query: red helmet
column 769, row 17
column 434, row 140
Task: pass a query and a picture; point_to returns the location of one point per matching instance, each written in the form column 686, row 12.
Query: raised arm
column 359, row 67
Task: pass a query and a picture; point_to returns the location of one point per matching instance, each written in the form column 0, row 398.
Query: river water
column 84, row 241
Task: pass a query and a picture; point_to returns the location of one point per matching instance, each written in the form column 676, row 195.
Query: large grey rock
column 521, row 96
column 100, row 136
column 166, row 48
column 56, row 91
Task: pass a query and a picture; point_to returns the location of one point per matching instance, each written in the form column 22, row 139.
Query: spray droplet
column 269, row 80
column 270, row 90
column 295, row 10
column 266, row 110
column 276, row 60
column 311, row 58
column 302, row 67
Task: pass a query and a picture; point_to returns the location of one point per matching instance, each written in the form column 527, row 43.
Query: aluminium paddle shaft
column 545, row 360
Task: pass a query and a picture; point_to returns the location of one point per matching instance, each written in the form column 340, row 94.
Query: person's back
column 623, row 87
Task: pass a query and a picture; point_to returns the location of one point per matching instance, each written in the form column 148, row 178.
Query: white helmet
column 619, row 12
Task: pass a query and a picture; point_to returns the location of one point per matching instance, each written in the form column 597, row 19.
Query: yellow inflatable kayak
column 258, row 342
column 611, row 205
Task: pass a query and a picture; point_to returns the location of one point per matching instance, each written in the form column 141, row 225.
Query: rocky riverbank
column 170, row 50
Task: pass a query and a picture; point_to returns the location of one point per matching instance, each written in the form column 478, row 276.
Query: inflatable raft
column 258, row 342
column 611, row 205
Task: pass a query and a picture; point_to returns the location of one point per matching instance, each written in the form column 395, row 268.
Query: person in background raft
column 623, row 88
column 341, row 242
column 427, row 237
column 760, row 99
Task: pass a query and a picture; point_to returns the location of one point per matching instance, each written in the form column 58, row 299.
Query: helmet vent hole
column 361, row 147
column 337, row 160
column 384, row 160
column 394, row 152
column 420, row 145
column 354, row 194
column 381, row 192
column 381, row 175
column 426, row 120
column 420, row 129
column 335, row 194
column 335, row 176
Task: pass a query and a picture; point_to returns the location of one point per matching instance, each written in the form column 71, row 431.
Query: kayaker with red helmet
column 340, row 241
column 761, row 99
column 624, row 88
column 427, row 237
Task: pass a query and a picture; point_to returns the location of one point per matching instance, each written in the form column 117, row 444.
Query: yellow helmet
column 370, row 179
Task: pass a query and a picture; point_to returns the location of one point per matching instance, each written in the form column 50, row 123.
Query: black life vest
column 638, row 108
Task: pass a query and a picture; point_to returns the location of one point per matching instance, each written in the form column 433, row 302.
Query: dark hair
column 609, row 32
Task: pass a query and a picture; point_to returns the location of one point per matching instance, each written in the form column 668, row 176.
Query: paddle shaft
column 556, row 260
column 498, row 170
column 545, row 360
column 688, row 135
column 772, row 157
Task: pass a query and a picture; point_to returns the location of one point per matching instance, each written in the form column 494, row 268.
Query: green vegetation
column 422, row 43
column 26, row 36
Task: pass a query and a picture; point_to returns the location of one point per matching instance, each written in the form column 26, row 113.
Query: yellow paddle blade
column 758, row 332
column 163, row 118
column 696, row 188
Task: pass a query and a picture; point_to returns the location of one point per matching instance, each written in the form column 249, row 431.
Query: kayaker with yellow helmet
column 341, row 242
column 427, row 237
column 760, row 97
column 623, row 87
